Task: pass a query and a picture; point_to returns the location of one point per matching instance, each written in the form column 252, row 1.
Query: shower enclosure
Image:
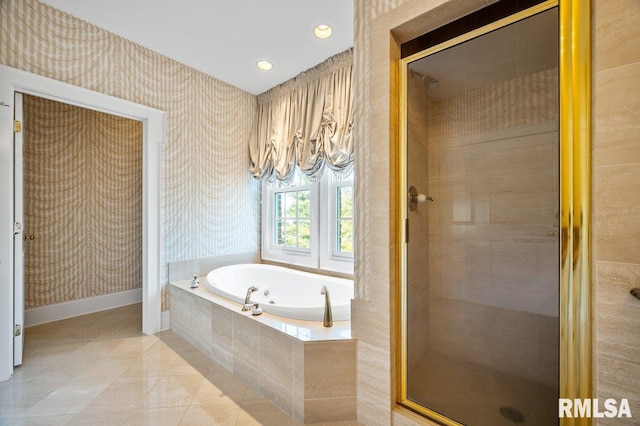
column 481, row 253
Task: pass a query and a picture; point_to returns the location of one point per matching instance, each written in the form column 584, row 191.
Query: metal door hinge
column 18, row 330
column 17, row 228
column 17, row 126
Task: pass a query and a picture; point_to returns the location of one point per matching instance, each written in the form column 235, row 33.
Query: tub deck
column 306, row 369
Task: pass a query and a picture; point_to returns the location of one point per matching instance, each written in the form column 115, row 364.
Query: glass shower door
column 482, row 257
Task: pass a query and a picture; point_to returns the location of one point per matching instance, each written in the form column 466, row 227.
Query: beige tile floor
column 473, row 394
column 99, row 369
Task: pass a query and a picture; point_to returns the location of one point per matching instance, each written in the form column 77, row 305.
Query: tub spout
column 247, row 306
column 328, row 316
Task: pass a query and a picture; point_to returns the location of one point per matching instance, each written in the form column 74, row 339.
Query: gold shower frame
column 575, row 203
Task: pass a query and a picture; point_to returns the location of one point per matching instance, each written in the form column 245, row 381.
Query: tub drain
column 512, row 414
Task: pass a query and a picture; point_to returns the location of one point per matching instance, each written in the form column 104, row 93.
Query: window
column 308, row 223
column 292, row 214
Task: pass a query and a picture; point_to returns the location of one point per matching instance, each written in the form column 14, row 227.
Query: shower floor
column 473, row 394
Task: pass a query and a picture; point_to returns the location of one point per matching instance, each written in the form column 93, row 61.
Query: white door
column 18, row 238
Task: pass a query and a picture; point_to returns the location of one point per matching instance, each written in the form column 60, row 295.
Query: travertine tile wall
column 313, row 381
column 616, row 201
column 83, row 202
column 490, row 268
column 210, row 203
column 493, row 236
column 374, row 308
column 616, row 54
column 495, row 219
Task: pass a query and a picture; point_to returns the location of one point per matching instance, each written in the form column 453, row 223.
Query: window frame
column 330, row 258
column 323, row 253
column 292, row 255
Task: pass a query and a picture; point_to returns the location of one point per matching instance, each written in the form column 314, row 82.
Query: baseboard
column 74, row 308
column 165, row 322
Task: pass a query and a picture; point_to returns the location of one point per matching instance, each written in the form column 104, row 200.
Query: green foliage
column 345, row 219
column 293, row 217
column 293, row 212
column 345, row 235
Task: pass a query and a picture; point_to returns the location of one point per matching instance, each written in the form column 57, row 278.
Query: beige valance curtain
column 306, row 122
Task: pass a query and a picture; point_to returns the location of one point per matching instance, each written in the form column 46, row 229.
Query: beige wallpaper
column 83, row 202
column 210, row 204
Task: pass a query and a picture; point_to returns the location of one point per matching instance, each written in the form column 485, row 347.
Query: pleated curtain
column 306, row 122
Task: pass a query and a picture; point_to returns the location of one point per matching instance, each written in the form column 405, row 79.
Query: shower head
column 431, row 83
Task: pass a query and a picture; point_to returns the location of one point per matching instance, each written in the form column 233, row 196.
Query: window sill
column 313, row 269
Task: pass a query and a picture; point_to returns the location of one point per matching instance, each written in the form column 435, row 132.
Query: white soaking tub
column 281, row 291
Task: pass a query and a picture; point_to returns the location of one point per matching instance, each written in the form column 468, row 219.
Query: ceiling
column 226, row 38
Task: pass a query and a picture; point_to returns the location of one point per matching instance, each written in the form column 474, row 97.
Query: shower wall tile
column 615, row 31
column 617, row 221
column 210, row 203
column 373, row 321
column 496, row 183
column 617, row 337
column 616, row 134
column 616, row 159
column 615, row 24
column 374, row 389
column 376, row 177
column 513, row 342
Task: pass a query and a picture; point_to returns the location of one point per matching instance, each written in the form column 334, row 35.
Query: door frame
column 575, row 345
column 18, row 239
column 153, row 136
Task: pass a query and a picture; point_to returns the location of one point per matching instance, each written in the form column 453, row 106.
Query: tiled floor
column 99, row 369
column 474, row 394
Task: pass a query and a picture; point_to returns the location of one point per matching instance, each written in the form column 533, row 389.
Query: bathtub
column 281, row 291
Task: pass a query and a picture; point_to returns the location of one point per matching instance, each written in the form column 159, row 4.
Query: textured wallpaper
column 83, row 202
column 210, row 204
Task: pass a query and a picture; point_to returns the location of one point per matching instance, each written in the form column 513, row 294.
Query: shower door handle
column 406, row 230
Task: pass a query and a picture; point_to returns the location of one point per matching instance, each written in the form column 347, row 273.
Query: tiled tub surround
column 304, row 368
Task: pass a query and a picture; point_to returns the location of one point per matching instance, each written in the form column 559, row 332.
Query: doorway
column 12, row 81
column 79, row 178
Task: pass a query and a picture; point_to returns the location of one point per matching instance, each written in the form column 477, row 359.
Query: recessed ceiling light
column 323, row 31
column 264, row 65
